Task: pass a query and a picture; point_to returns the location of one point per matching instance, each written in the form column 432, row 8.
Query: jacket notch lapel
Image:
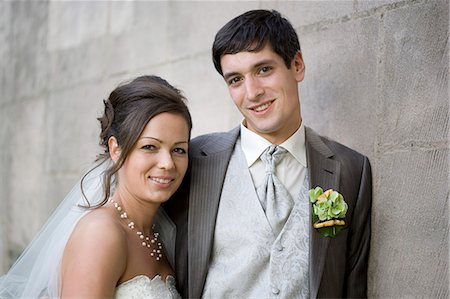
column 324, row 172
column 207, row 177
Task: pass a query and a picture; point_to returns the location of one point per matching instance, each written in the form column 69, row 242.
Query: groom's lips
column 262, row 107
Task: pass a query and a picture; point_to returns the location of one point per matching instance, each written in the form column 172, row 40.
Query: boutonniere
column 329, row 209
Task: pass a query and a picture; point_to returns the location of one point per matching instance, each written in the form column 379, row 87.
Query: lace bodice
column 142, row 287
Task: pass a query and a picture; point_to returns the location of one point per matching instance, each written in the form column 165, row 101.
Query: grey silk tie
column 273, row 195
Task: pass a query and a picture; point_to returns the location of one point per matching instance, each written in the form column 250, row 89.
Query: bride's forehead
column 165, row 124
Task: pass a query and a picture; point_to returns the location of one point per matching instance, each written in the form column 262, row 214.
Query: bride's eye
column 149, row 147
column 180, row 151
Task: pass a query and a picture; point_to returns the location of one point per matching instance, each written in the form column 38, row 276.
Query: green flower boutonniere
column 329, row 209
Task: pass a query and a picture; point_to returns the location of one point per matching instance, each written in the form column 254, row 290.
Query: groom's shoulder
column 205, row 138
column 342, row 149
column 214, row 142
column 342, row 152
column 353, row 164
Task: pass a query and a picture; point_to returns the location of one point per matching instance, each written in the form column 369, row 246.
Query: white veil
column 36, row 272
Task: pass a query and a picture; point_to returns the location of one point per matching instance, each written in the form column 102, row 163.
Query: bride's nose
column 165, row 160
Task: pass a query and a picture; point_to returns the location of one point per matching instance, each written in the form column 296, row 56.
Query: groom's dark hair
column 251, row 31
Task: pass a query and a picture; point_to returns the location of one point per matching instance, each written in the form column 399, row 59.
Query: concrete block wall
column 376, row 80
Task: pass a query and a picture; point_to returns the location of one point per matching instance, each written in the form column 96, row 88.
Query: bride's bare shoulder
column 100, row 225
column 96, row 248
column 98, row 236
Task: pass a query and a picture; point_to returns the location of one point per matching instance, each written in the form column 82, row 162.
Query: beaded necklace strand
column 153, row 244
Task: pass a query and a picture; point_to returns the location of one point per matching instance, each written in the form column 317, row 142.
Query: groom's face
column 265, row 91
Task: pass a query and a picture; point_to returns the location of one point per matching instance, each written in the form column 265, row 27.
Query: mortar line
column 380, row 70
column 413, row 145
column 355, row 15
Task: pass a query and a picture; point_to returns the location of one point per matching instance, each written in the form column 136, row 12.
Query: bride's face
column 156, row 165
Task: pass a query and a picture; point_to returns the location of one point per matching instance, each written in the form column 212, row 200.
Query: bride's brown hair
column 127, row 111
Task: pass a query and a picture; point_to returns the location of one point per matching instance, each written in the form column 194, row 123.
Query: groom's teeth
column 162, row 181
column 262, row 107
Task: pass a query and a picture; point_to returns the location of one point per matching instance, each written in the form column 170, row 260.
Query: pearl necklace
column 152, row 244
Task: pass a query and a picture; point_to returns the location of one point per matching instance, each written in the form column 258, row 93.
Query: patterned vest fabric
column 248, row 260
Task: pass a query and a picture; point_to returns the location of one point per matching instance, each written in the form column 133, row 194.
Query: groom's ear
column 298, row 67
column 114, row 149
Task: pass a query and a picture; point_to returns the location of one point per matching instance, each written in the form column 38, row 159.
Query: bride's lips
column 161, row 181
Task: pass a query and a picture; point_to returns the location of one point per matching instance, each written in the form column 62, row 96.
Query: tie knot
column 272, row 156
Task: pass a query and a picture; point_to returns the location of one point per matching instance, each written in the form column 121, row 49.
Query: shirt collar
column 254, row 145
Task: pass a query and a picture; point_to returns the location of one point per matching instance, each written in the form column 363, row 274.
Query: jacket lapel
column 324, row 172
column 207, row 177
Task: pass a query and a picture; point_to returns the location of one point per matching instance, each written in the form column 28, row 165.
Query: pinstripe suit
column 338, row 266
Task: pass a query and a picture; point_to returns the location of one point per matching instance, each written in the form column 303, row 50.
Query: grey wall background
column 376, row 80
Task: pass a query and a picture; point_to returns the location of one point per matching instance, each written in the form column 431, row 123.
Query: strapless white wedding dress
column 143, row 287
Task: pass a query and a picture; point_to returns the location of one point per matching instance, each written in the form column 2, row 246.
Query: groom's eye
column 233, row 80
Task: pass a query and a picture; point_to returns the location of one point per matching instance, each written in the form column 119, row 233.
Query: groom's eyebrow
column 229, row 75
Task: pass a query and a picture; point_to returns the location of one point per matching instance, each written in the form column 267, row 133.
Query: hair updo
column 127, row 111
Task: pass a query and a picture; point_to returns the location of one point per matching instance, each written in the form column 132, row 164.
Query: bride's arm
column 94, row 258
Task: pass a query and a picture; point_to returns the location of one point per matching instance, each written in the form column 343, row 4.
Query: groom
column 247, row 232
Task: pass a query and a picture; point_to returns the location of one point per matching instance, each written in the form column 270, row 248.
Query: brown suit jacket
column 338, row 266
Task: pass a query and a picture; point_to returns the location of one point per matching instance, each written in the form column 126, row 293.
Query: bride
column 107, row 238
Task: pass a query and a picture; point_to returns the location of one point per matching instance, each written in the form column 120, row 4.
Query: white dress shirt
column 291, row 170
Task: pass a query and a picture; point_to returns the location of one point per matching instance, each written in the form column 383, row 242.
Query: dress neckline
column 169, row 279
